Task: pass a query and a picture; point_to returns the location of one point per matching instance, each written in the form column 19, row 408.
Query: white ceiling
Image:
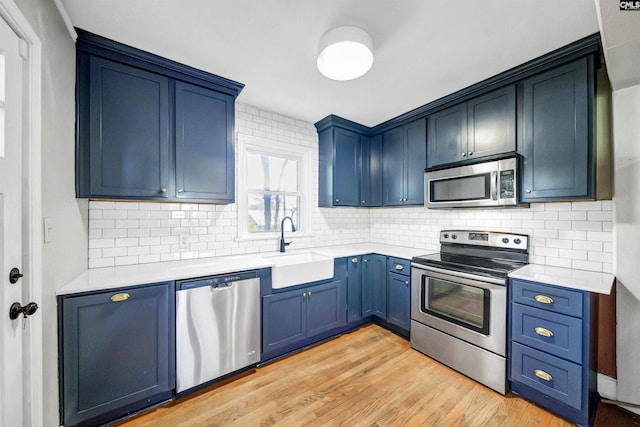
column 424, row 49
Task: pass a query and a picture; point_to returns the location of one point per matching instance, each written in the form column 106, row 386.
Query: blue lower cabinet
column 284, row 320
column 555, row 377
column 354, row 288
column 117, row 352
column 293, row 319
column 551, row 348
column 398, row 292
column 374, row 286
column 325, row 308
column 398, row 300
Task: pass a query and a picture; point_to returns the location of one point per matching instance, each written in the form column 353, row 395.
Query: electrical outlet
column 184, row 241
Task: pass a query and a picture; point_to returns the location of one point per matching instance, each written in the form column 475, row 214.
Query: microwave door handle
column 494, row 185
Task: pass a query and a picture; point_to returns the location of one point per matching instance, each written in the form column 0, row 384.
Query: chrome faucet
column 293, row 229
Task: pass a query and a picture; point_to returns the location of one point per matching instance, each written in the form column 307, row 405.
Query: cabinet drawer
column 553, row 333
column 557, row 378
column 551, row 298
column 400, row 266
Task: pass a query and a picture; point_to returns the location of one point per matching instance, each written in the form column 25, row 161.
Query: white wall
column 572, row 234
column 66, row 256
column 626, row 113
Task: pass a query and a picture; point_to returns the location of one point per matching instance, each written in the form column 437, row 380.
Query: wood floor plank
column 369, row 377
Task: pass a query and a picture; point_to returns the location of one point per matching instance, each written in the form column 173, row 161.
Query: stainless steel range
column 459, row 302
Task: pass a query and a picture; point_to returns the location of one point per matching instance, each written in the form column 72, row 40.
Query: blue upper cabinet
column 149, row 128
column 371, row 176
column 481, row 127
column 128, row 125
column 349, row 164
column 556, row 133
column 447, row 136
column 403, row 162
column 491, row 120
column 204, row 144
column 346, row 174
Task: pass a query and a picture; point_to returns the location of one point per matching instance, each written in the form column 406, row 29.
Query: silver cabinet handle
column 354, row 260
column 399, row 267
column 163, row 189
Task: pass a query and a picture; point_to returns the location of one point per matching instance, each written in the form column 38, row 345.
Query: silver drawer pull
column 543, row 331
column 120, row 297
column 544, row 299
column 354, row 260
column 399, row 267
column 542, row 375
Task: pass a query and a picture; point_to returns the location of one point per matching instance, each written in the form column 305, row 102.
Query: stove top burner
column 469, row 264
column 483, row 253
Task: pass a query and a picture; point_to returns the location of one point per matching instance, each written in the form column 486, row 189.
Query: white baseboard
column 607, row 387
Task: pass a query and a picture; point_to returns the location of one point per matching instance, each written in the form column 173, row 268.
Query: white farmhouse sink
column 296, row 269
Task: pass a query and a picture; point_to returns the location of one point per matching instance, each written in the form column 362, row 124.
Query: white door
column 12, row 408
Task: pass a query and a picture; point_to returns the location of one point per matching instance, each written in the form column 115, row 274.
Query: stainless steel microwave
column 489, row 184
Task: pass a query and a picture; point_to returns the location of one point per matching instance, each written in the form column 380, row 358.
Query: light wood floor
column 369, row 377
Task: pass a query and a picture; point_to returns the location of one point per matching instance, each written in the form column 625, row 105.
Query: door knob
column 15, row 275
column 16, row 308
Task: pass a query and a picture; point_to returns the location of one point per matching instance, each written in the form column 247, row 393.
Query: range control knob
column 517, row 241
column 454, row 237
column 505, row 240
column 446, row 236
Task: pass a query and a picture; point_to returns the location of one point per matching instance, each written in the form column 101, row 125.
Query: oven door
column 473, row 310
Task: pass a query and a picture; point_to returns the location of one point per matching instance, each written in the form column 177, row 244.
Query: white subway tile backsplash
column 567, row 234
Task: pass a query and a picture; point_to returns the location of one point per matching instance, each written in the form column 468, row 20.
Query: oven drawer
column 553, row 333
column 399, row 265
column 551, row 298
column 557, row 378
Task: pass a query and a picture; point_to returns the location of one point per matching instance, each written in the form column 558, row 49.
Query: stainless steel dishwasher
column 217, row 327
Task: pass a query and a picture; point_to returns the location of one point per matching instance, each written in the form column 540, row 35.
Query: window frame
column 248, row 144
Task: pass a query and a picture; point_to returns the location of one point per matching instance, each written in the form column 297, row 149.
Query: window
column 272, row 184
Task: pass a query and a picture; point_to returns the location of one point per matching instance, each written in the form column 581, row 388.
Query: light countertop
column 131, row 275
column 566, row 277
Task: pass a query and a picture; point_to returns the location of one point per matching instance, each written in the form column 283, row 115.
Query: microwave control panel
column 507, row 184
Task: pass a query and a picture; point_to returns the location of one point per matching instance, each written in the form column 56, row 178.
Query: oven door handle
column 451, row 275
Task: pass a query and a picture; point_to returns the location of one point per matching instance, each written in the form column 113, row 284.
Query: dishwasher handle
column 222, row 281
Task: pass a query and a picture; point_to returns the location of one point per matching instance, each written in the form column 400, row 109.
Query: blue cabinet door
column 374, row 286
column 393, row 167
column 129, row 150
column 284, row 320
column 346, row 181
column 556, row 138
column 354, row 288
column 398, row 300
column 326, row 307
column 404, row 154
column 340, row 166
column 117, row 352
column 492, row 123
column 371, row 176
column 415, row 135
column 204, row 153
column 447, row 136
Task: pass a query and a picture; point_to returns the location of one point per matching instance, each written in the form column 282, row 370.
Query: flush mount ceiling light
column 346, row 53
